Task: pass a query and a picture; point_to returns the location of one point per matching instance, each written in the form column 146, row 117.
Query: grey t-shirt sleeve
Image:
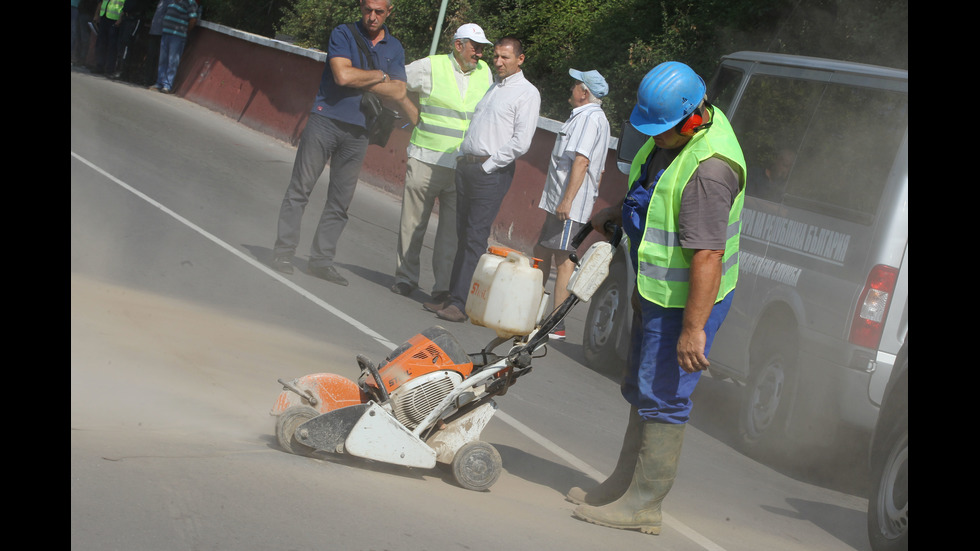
column 706, row 204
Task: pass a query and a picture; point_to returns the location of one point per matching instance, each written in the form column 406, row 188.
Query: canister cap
column 500, row 250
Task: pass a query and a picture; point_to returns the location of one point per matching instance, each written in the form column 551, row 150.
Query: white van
column 821, row 307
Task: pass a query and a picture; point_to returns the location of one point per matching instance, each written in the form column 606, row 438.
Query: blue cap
column 592, row 80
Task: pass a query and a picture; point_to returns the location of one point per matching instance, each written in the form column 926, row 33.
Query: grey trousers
column 424, row 183
column 344, row 145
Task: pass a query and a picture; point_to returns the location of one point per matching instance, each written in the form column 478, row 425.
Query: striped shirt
column 178, row 17
column 586, row 132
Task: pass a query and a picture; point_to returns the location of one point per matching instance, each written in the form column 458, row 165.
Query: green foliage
column 623, row 39
column 254, row 16
column 310, row 22
column 865, row 31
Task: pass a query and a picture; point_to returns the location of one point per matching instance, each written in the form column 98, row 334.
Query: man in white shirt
column 577, row 162
column 501, row 130
column 448, row 87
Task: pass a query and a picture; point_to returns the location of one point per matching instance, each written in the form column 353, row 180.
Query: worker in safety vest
column 448, row 87
column 682, row 216
column 107, row 18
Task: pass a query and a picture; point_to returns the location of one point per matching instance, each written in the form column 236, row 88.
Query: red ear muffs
column 691, row 124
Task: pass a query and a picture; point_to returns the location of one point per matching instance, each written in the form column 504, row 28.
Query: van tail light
column 869, row 317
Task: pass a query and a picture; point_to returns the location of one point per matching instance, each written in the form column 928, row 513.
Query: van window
column 722, row 90
column 848, row 151
column 772, row 119
column 826, row 147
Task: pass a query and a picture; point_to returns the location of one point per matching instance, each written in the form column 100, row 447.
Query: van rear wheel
column 765, row 400
column 888, row 506
column 603, row 323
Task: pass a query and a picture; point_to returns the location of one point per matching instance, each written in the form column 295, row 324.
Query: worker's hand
column 563, row 209
column 608, row 214
column 690, row 350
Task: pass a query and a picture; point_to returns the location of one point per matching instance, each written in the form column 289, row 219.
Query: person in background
column 178, row 20
column 501, row 130
column 107, row 19
column 337, row 131
column 577, row 162
column 153, row 45
column 448, row 88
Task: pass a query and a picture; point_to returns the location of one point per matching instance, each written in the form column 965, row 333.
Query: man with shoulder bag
column 361, row 58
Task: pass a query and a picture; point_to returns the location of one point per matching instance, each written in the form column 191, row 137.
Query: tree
column 623, row 39
column 254, row 16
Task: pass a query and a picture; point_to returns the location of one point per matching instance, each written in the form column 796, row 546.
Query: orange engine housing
column 434, row 349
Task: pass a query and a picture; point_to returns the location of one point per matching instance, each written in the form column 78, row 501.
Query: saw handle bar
column 520, row 355
column 609, row 226
column 367, row 365
column 562, row 310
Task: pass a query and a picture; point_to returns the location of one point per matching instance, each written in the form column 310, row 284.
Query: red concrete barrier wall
column 269, row 86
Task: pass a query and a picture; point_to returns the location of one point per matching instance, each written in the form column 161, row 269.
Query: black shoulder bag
column 379, row 120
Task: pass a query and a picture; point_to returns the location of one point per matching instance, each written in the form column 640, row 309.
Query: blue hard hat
column 668, row 93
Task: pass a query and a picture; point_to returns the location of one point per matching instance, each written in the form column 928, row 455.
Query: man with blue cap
column 577, row 162
column 682, row 214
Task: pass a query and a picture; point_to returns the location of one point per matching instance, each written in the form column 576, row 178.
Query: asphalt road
column 179, row 332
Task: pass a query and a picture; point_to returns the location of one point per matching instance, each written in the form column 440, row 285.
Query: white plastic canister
column 506, row 292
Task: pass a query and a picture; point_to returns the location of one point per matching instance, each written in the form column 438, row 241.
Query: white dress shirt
column 504, row 122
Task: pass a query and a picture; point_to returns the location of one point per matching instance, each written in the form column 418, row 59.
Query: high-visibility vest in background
column 444, row 115
column 112, row 9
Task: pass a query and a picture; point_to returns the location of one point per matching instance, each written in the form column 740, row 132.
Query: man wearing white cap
column 577, row 162
column 448, row 87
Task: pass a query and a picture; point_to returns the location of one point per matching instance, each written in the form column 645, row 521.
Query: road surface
column 179, row 332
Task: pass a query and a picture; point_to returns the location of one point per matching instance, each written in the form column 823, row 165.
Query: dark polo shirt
column 340, row 102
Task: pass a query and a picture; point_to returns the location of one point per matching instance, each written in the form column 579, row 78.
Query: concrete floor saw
column 429, row 400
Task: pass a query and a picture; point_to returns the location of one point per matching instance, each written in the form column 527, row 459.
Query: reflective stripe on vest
column 444, row 115
column 664, row 273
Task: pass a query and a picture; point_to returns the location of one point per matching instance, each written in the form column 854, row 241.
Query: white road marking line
column 563, row 454
column 269, row 271
column 589, row 471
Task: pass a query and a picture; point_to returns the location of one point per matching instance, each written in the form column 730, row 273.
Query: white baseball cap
column 473, row 32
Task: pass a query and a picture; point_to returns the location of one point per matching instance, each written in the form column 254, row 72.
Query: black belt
column 467, row 158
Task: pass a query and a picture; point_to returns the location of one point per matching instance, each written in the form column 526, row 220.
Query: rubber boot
column 656, row 467
column 617, row 483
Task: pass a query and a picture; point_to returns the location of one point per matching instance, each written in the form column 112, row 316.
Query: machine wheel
column 286, row 426
column 477, row 466
column 765, row 400
column 888, row 506
column 603, row 323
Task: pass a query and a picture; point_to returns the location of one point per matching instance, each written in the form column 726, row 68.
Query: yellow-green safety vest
column 112, row 9
column 445, row 115
column 663, row 276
